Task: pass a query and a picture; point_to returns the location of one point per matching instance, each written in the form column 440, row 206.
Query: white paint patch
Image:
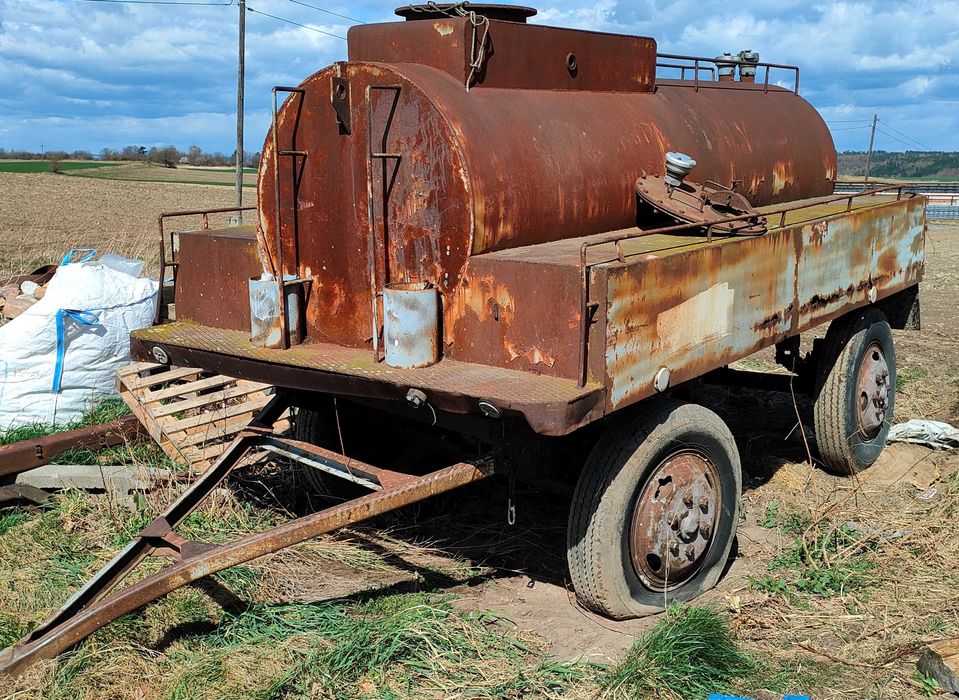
column 443, row 28
column 697, row 321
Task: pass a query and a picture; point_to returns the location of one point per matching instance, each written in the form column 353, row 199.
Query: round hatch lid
column 504, row 13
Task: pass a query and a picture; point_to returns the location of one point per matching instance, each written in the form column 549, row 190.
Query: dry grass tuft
column 866, row 575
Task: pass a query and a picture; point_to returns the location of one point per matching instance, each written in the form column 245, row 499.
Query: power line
column 163, row 2
column 849, row 128
column 918, row 143
column 847, row 121
column 290, row 21
column 904, row 143
column 329, row 12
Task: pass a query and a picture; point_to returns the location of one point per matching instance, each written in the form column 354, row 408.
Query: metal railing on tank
column 698, row 64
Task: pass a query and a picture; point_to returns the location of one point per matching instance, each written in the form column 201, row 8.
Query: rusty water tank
column 420, row 151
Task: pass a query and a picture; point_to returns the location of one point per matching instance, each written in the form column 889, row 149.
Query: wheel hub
column 674, row 520
column 872, row 391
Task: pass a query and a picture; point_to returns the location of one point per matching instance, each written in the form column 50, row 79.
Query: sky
column 76, row 74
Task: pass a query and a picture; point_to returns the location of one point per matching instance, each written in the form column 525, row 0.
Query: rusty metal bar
column 683, row 69
column 25, row 455
column 371, row 156
column 91, row 608
column 278, row 272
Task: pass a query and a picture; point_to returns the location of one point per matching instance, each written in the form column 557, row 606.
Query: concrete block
column 121, row 479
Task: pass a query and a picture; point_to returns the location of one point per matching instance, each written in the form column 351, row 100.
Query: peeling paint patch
column 699, row 319
column 443, row 28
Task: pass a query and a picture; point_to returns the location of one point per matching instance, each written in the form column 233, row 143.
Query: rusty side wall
column 211, row 281
column 518, row 55
column 516, row 314
column 697, row 310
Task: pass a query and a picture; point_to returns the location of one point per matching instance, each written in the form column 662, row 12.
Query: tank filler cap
column 748, row 60
column 678, row 166
column 726, row 65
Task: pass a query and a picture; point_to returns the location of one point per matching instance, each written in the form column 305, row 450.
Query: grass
column 145, row 453
column 104, row 411
column 907, row 375
column 691, row 654
column 821, row 560
column 43, row 166
column 153, row 173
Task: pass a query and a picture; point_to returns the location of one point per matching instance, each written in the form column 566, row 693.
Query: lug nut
column 674, row 548
column 674, row 521
column 688, row 499
column 704, row 504
column 706, row 530
column 690, row 551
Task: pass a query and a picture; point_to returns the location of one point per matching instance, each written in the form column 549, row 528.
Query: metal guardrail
column 916, row 186
column 943, row 196
column 698, row 64
column 939, row 213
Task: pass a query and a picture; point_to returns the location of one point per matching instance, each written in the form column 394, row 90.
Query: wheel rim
column 872, row 391
column 674, row 520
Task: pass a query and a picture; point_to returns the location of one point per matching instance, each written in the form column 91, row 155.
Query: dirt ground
column 904, row 559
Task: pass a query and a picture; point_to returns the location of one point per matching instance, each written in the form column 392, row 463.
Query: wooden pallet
column 193, row 415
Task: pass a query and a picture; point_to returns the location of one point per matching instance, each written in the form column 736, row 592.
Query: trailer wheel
column 855, row 391
column 316, row 425
column 655, row 510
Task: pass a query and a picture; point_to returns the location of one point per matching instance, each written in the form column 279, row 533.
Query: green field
column 223, row 169
column 43, row 166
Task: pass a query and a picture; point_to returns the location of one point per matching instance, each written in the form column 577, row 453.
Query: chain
column 480, row 23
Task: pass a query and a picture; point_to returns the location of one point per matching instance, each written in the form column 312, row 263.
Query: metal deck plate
column 551, row 404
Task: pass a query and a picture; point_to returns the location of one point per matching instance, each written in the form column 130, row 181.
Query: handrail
column 683, row 69
column 621, row 256
column 371, row 155
column 278, row 272
column 718, row 60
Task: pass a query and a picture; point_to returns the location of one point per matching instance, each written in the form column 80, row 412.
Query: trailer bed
column 565, row 332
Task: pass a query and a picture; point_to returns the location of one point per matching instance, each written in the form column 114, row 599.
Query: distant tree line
column 169, row 156
column 902, row 165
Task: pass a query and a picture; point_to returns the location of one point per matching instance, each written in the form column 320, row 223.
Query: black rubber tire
column 842, row 447
column 315, row 422
column 615, row 473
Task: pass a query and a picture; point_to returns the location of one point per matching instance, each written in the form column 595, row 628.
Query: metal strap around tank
column 382, row 155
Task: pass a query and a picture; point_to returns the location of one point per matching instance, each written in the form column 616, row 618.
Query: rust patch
column 782, row 176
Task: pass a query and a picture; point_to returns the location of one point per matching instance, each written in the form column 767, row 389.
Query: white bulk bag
column 96, row 305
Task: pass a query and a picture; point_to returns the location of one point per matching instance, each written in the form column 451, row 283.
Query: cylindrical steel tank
column 408, row 173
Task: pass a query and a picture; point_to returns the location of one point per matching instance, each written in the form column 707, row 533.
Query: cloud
column 87, row 75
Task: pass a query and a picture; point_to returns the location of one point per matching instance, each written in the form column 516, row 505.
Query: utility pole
column 239, row 111
column 872, row 137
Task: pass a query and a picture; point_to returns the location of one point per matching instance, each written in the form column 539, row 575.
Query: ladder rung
column 293, row 153
column 386, row 155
